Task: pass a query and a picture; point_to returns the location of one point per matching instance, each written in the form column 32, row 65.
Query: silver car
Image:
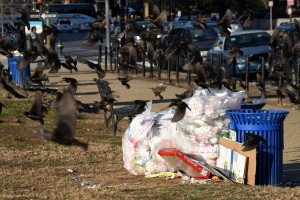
column 254, row 45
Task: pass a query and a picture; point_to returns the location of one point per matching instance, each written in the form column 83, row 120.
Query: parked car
column 64, row 25
column 203, row 39
column 254, row 44
column 76, row 19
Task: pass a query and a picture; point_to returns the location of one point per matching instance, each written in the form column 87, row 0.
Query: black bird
column 65, row 127
column 91, row 39
column 249, row 20
column 261, row 87
column 202, row 84
column 139, row 106
column 38, row 110
column 235, row 51
column 70, row 60
column 180, row 110
column 101, row 105
column 10, row 27
column 72, row 84
column 200, row 23
column 251, row 141
column 38, row 77
column 25, row 14
column 159, row 18
column 227, row 84
column 1, row 107
column 225, row 24
column 158, row 90
column 99, row 71
column 280, row 95
column 70, row 63
column 187, row 94
column 54, row 104
column 27, row 58
column 124, row 81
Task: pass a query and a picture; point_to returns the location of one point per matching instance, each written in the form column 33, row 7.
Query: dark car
column 254, row 44
column 203, row 39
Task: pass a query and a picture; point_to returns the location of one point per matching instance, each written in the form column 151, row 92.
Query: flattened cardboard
column 237, row 147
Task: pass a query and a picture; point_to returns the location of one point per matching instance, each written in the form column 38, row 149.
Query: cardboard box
column 183, row 163
column 232, row 164
column 251, row 155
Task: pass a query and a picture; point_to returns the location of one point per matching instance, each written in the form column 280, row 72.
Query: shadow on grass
column 291, row 173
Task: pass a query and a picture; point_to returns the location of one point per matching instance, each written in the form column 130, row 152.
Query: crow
column 38, row 110
column 251, row 141
column 158, row 90
column 139, row 106
column 64, row 131
column 180, row 110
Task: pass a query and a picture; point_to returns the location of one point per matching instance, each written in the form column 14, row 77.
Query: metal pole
column 107, row 22
column 188, row 72
column 297, row 78
column 247, row 78
column 100, row 55
column 177, row 71
column 171, row 10
column 263, row 69
column 271, row 18
column 105, row 67
column 297, row 72
column 159, row 64
column 2, row 18
column 270, row 4
column 169, row 71
column 234, row 64
column 110, row 58
column 151, row 70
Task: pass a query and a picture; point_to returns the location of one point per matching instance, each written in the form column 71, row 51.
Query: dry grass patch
column 32, row 168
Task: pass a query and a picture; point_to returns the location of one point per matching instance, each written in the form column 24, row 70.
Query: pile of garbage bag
column 196, row 134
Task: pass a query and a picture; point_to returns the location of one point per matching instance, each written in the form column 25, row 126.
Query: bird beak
column 189, row 108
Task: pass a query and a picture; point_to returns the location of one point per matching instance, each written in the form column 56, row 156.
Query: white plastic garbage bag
column 194, row 135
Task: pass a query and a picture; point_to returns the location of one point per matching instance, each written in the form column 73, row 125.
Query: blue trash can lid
column 255, row 116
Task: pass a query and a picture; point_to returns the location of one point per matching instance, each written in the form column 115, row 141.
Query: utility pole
column 146, row 9
column 107, row 22
column 48, row 42
column 2, row 18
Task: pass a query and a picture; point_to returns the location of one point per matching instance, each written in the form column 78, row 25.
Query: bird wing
column 180, row 111
column 66, row 118
column 38, row 72
column 36, row 104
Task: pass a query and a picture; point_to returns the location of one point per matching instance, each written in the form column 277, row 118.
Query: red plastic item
column 182, row 162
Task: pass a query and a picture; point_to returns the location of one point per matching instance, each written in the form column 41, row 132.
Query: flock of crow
column 131, row 53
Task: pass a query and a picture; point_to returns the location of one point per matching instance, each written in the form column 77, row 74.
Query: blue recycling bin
column 269, row 125
column 19, row 76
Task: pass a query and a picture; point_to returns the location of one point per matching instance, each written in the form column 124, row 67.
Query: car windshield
column 247, row 40
column 211, row 33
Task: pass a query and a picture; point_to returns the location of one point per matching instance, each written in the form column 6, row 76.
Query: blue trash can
column 19, row 76
column 269, row 125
